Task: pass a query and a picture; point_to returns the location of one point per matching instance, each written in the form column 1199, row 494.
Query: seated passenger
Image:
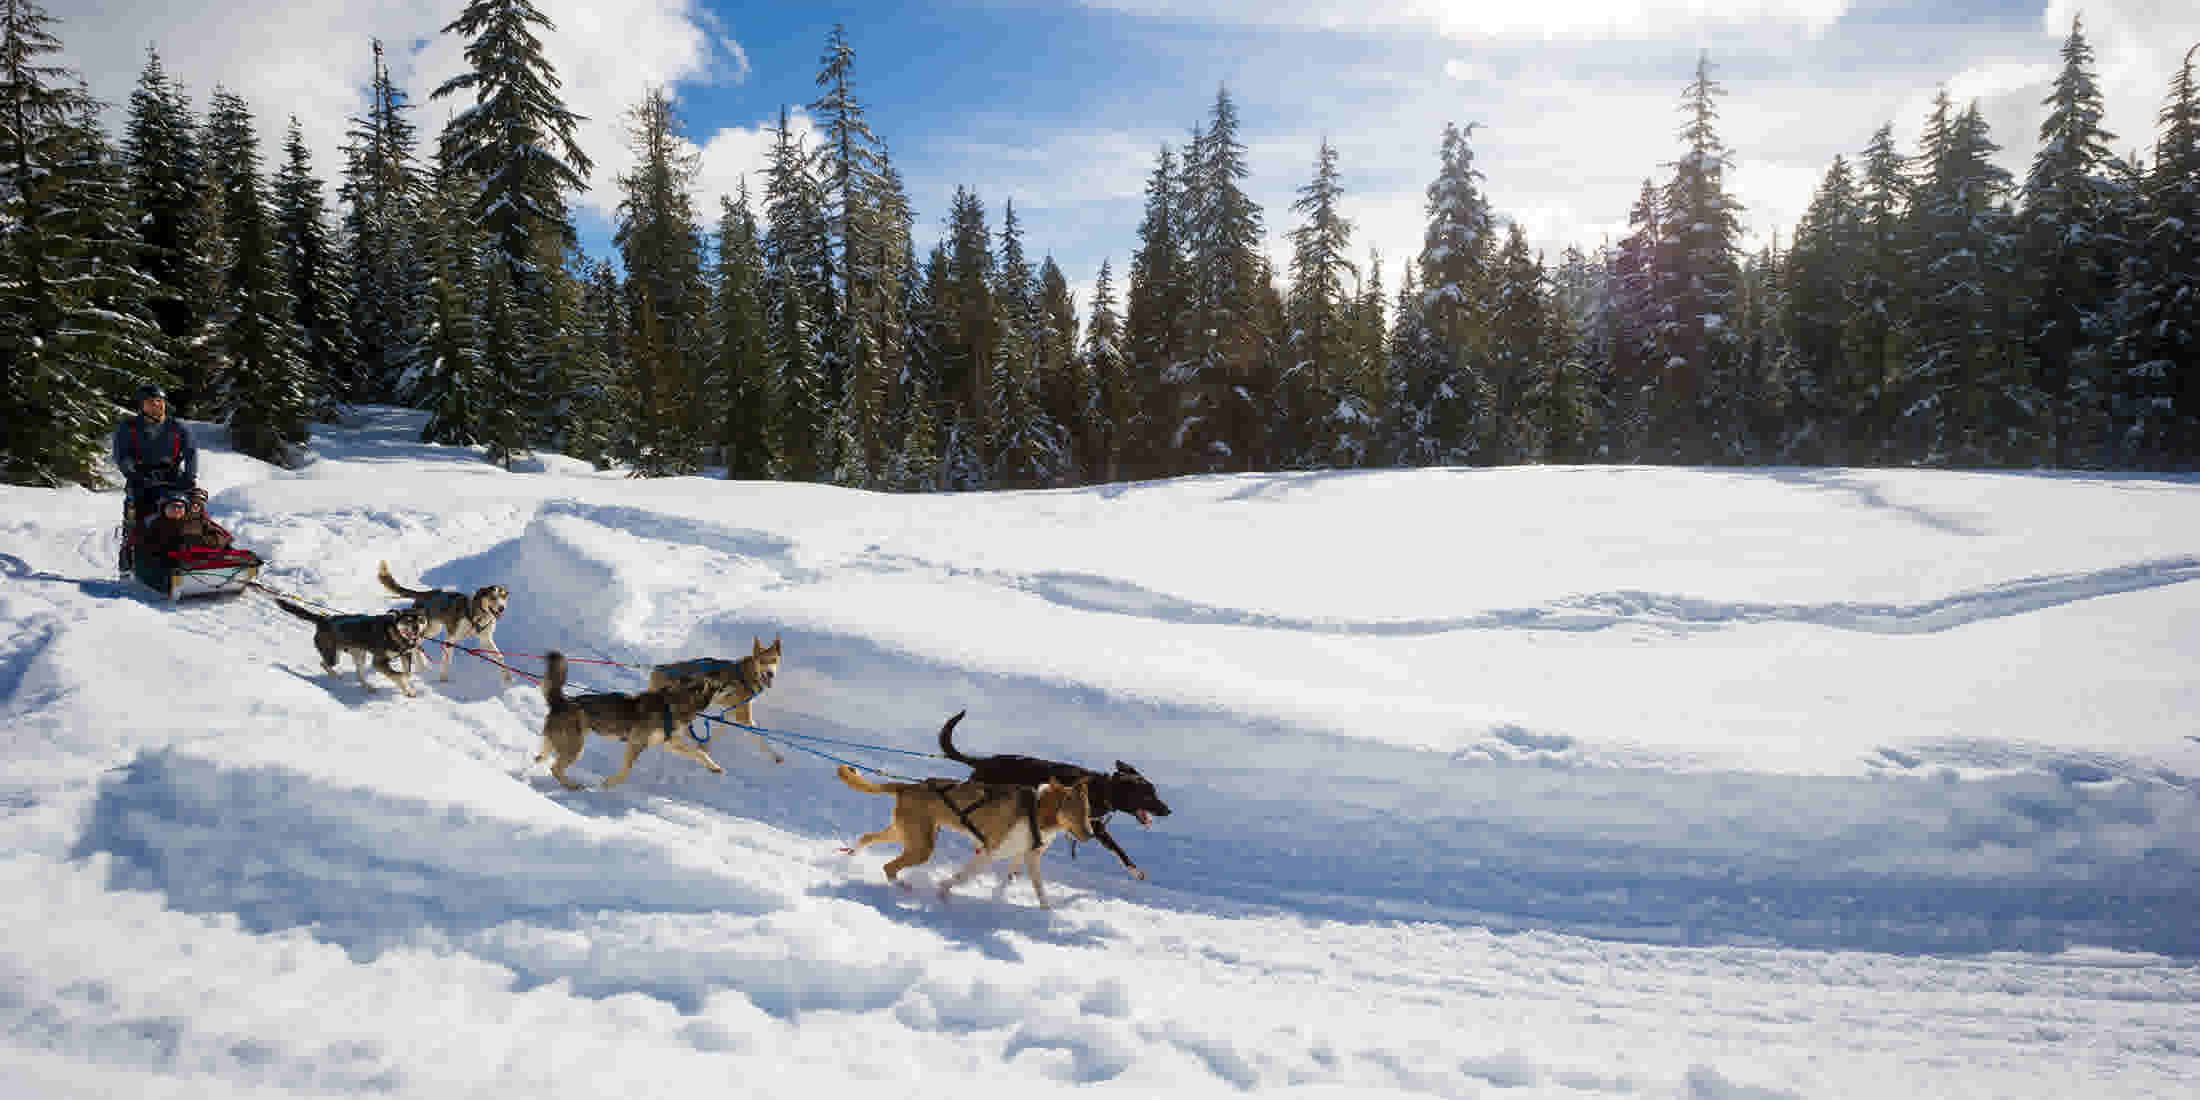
column 177, row 525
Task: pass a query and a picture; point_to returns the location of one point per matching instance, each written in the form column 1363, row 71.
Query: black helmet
column 149, row 391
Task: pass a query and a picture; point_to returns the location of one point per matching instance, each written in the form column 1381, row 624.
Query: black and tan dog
column 658, row 717
column 733, row 683
column 457, row 615
column 390, row 641
column 1122, row 789
column 1008, row 821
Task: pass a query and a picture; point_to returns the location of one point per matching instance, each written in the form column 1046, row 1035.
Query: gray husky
column 458, row 616
column 389, row 641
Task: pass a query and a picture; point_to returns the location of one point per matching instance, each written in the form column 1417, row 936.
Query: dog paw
column 1138, row 874
column 847, row 851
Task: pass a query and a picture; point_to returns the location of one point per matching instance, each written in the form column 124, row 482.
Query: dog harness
column 1026, row 795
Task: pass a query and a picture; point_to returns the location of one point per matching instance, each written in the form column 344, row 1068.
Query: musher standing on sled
column 156, row 455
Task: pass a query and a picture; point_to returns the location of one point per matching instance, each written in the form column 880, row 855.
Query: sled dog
column 658, row 717
column 457, row 615
column 1007, row 821
column 389, row 640
column 1122, row 789
column 733, row 683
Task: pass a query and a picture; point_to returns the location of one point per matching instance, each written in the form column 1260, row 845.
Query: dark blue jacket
column 145, row 451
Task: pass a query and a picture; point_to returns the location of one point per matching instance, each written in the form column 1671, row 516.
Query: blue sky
column 1059, row 107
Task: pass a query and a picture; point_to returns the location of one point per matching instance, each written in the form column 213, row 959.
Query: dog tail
column 390, row 583
column 947, row 740
column 300, row 612
column 553, row 682
column 854, row 779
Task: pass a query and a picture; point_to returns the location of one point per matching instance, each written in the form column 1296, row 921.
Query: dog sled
column 212, row 567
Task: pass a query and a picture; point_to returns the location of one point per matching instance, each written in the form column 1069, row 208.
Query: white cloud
column 312, row 58
column 734, row 152
column 1548, row 19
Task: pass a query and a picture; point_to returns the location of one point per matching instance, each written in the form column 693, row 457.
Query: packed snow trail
column 1427, row 864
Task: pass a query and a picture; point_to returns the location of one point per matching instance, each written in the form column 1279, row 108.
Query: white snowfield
column 1521, row 783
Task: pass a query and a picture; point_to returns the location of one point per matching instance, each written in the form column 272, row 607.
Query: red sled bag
column 212, row 557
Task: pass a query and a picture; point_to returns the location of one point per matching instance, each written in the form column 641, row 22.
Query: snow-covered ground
column 1552, row 782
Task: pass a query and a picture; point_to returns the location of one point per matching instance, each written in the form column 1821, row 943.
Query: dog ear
column 1125, row 768
column 775, row 644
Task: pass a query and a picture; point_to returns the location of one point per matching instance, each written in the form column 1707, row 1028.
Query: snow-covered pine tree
column 74, row 330
column 382, row 193
column 1025, row 445
column 1763, row 359
column 860, row 339
column 1968, row 401
column 2157, row 350
column 1441, row 384
column 741, row 381
column 1698, row 277
column 167, row 186
column 1064, row 384
column 1517, row 368
column 2068, row 256
column 1881, row 324
column 1581, row 305
column 799, row 303
column 1153, row 325
column 266, row 389
column 1415, row 360
column 1829, row 390
column 1113, row 401
column 1564, row 407
column 1353, row 425
column 1635, row 362
column 320, row 304
column 1223, row 417
column 968, row 318
column 1318, row 373
column 661, row 246
column 589, row 413
column 515, row 146
column 447, row 378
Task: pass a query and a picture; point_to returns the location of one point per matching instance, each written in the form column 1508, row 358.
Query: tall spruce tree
column 265, row 388
column 741, row 381
column 1698, row 277
column 311, row 261
column 1967, row 397
column 2068, row 256
column 2157, row 350
column 661, row 245
column 1440, row 392
column 1154, row 324
column 1830, row 388
column 1114, row 401
column 1881, row 327
column 799, row 301
column 167, row 188
column 448, row 378
column 1025, row 445
column 1635, row 362
column 1223, row 413
column 73, row 325
column 1318, row 375
column 515, row 148
column 382, row 193
column 1518, row 367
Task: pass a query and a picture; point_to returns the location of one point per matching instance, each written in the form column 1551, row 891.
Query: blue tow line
column 793, row 741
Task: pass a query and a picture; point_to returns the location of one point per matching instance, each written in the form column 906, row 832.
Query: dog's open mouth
column 1144, row 818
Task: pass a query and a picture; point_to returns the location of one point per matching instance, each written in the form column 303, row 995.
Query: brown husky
column 1006, row 820
column 458, row 615
column 733, row 683
column 655, row 717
